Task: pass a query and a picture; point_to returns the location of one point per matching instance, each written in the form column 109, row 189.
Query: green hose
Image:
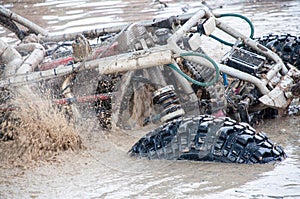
column 239, row 16
column 203, row 84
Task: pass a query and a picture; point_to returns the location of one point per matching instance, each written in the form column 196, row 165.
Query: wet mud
column 99, row 166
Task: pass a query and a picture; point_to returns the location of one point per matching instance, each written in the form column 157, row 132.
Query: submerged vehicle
column 157, row 73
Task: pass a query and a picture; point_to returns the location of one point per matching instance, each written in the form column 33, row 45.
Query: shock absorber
column 171, row 108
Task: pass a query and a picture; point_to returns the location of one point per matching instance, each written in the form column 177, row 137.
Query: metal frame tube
column 256, row 46
column 21, row 20
column 158, row 56
column 107, row 65
column 172, row 44
column 187, row 26
column 233, row 72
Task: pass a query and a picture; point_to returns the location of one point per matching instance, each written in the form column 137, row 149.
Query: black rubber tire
column 287, row 46
column 206, row 138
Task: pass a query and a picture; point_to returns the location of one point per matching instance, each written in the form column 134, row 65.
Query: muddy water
column 105, row 170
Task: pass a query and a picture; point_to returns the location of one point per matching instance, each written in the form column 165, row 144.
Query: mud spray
column 35, row 131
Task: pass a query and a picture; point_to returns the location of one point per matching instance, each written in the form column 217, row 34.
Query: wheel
column 286, row 46
column 206, row 138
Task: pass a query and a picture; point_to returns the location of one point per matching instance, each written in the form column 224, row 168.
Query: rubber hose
column 203, row 84
column 239, row 16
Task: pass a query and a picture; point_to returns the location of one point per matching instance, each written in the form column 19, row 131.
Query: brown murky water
column 105, row 170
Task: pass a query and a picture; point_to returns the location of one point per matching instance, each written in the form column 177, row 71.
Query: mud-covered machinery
column 157, row 72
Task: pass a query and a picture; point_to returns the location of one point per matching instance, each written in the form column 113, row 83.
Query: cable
column 234, row 15
column 203, row 84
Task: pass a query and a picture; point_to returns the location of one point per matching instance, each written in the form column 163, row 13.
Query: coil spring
column 167, row 98
column 217, row 100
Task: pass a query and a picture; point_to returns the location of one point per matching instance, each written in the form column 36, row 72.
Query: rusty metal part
column 81, row 49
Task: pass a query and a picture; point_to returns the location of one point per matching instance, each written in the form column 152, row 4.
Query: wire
column 234, row 15
column 203, row 84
